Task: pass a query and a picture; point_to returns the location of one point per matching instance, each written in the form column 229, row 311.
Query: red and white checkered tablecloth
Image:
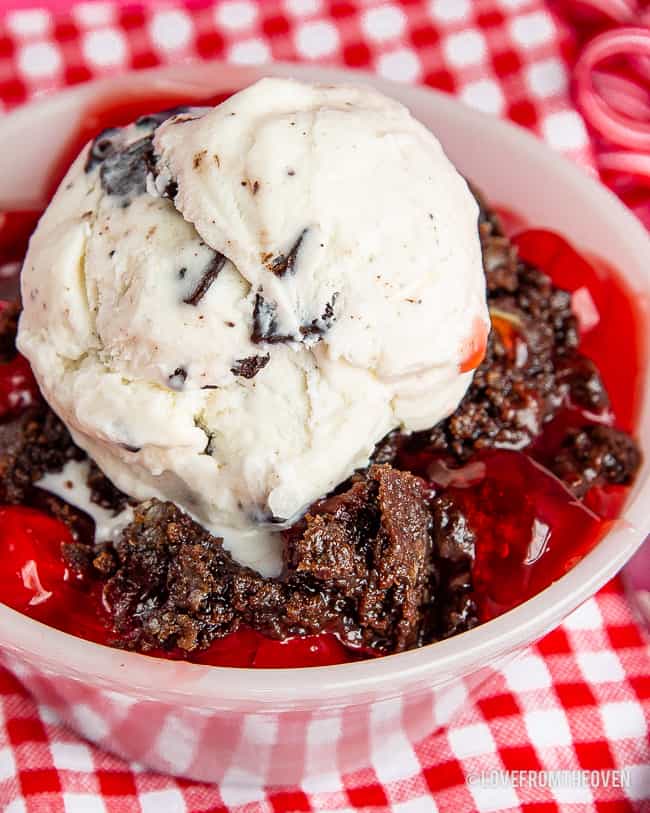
column 580, row 699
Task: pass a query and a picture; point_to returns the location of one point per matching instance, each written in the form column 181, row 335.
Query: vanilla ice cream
column 231, row 306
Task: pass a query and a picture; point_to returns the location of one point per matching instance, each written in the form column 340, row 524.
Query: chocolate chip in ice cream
column 318, row 327
column 124, row 172
column 104, row 144
column 207, row 278
column 265, row 322
column 170, row 190
column 285, row 264
column 153, row 120
column 128, row 447
column 250, row 367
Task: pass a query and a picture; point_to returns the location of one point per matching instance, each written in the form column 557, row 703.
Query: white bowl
column 287, row 726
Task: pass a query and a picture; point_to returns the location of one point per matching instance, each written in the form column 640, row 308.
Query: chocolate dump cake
column 389, row 560
column 295, row 405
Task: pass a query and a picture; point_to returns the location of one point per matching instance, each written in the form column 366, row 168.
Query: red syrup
column 612, row 335
column 18, row 388
column 530, row 530
column 35, row 581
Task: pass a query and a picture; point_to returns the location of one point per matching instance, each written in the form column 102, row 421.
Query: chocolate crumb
column 250, row 366
column 105, row 563
column 209, row 276
column 596, row 455
column 30, row 446
column 103, row 492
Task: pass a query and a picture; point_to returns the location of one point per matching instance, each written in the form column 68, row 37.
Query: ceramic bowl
column 249, row 727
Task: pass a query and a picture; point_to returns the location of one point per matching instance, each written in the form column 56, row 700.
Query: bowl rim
column 195, row 684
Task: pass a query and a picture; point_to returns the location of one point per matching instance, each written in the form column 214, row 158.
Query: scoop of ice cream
column 229, row 307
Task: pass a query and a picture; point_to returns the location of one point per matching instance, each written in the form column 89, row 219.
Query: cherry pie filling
column 530, row 505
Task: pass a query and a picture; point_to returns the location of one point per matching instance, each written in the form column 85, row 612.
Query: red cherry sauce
column 529, row 528
column 35, row 581
column 18, row 389
column 610, row 315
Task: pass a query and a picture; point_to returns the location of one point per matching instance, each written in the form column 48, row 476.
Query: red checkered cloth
column 580, row 699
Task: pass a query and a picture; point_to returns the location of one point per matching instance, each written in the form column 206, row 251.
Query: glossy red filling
column 530, row 529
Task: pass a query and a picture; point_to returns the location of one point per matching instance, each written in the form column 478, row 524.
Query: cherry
column 569, row 270
column 529, row 530
column 617, row 321
column 236, row 649
column 33, row 571
column 311, row 650
column 18, row 388
column 607, row 501
column 35, row 580
column 247, row 648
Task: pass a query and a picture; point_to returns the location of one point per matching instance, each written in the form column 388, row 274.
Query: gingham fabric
column 580, row 699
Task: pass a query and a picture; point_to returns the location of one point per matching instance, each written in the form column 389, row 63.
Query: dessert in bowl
column 443, row 477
